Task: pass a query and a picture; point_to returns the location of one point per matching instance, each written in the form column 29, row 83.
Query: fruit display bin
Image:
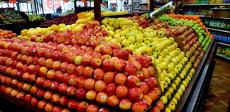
column 192, row 99
column 115, row 65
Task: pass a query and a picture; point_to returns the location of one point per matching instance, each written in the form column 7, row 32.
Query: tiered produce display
column 124, row 64
column 10, row 16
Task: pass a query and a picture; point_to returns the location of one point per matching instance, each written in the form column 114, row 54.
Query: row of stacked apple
column 82, row 72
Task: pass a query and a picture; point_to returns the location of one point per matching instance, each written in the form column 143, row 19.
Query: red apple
column 20, row 95
column 58, row 75
column 56, row 109
column 71, row 90
column 63, row 100
column 41, row 104
column 88, row 72
column 65, row 110
column 72, row 80
column 40, row 93
column 20, row 85
column 79, row 70
column 104, row 57
column 107, row 65
column 72, row 104
column 135, row 94
column 86, row 59
column 50, row 74
column 98, row 74
column 19, row 66
column 144, row 87
column 42, row 61
column 9, row 70
column 32, row 78
column 105, row 49
column 55, row 98
column 65, row 78
column 152, row 82
column 103, row 110
column 28, row 98
column 48, row 95
column 110, row 89
column 100, row 86
column 101, row 97
column 8, row 80
column 34, row 101
column 14, row 82
column 70, row 68
column 89, row 84
column 112, row 101
column 80, row 93
column 125, row 104
column 47, row 83
column 26, row 87
column 121, row 91
column 119, row 65
column 42, row 72
column 29, row 60
column 25, row 76
column 120, row 78
column 8, row 90
column 33, row 89
column 140, row 75
column 49, row 107
column 131, row 69
column 137, row 64
column 109, row 77
column 80, row 82
column 62, row 88
column 63, row 66
column 139, row 107
column 146, row 72
column 91, row 95
column 82, row 106
column 56, row 65
column 40, row 81
column 133, row 81
column 96, row 62
column 147, row 100
column 92, row 108
column 54, row 85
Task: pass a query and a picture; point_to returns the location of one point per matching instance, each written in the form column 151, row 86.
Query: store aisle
column 218, row 97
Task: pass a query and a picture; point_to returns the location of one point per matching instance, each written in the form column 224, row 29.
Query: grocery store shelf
column 223, row 44
column 226, row 4
column 219, row 30
column 203, row 16
column 221, row 56
column 192, row 99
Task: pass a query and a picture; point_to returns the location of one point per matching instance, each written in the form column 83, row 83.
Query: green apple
column 164, row 99
column 172, row 106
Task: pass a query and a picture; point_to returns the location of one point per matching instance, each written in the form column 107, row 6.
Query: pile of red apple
column 79, row 77
column 90, row 35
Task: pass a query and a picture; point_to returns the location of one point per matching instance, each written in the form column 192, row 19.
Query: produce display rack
column 194, row 96
column 218, row 30
column 192, row 99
